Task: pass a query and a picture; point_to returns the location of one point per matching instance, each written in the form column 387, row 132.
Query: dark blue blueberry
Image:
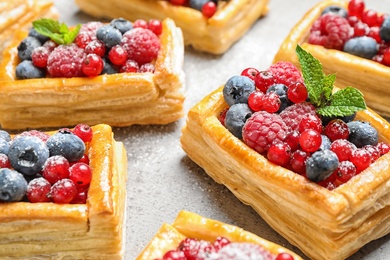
column 321, row 165
column 197, row 4
column 27, row 70
column 41, row 38
column 325, row 144
column 362, row 133
column 384, row 30
column 4, row 146
column 281, row 91
column 109, row 36
column 364, row 46
column 337, row 10
column 5, row 135
column 13, row 186
column 237, row 90
column 236, row 117
column 27, row 46
column 28, row 154
column 108, row 68
column 67, row 144
column 122, row 25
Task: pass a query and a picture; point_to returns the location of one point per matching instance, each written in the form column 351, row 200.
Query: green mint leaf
column 59, row 33
column 328, row 86
column 312, row 75
column 344, row 102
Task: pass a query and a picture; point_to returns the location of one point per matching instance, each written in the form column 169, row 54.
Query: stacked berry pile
column 356, row 30
column 221, row 248
column 297, row 121
column 52, row 49
column 37, row 167
column 207, row 7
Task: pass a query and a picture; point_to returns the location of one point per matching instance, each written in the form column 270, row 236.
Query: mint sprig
column 58, row 32
column 343, row 102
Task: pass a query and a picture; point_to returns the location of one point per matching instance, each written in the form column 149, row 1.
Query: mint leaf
column 328, row 86
column 59, row 33
column 312, row 75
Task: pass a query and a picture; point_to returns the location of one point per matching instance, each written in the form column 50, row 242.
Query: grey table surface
column 162, row 180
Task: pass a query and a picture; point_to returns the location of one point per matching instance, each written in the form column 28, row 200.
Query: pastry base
column 368, row 76
column 323, row 224
column 188, row 224
column 74, row 231
column 120, row 99
column 18, row 15
column 214, row 35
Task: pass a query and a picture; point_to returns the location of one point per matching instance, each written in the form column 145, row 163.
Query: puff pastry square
column 215, row 35
column 94, row 230
column 191, row 225
column 370, row 77
column 324, row 224
column 18, row 14
column 119, row 99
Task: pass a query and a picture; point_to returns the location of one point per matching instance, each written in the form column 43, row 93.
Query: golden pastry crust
column 324, row 224
column 120, row 99
column 188, row 224
column 368, row 76
column 78, row 231
column 214, row 35
column 18, row 15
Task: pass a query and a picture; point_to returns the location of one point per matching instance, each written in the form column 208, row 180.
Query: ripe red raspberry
column 196, row 249
column 66, row 61
column 262, row 129
column 286, row 73
column 293, row 114
column 142, row 45
column 330, row 31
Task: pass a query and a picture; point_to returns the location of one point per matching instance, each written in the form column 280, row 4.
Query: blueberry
column 362, row 133
column 4, row 146
column 27, row 46
column 281, row 91
column 67, row 144
column 321, row 165
column 237, row 90
column 5, row 135
column 364, row 46
column 13, row 186
column 325, row 144
column 27, row 70
column 197, row 4
column 109, row 35
column 41, row 38
column 337, row 10
column 122, row 25
column 236, row 117
column 384, row 30
column 108, row 68
column 28, row 154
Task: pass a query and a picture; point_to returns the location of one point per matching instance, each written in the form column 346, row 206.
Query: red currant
column 386, row 56
column 370, row 17
column 250, row 73
column 297, row 92
column 271, row 102
column 147, row 67
column 360, row 29
column 345, row 172
column 209, row 9
column 279, row 153
column 80, row 174
column 92, row 65
column 174, row 255
column 56, row 168
column 84, row 132
column 356, row 8
column 222, row 116
column 84, row 159
column 97, row 47
column 155, row 26
column 352, row 20
column 374, row 151
column 264, row 80
column 38, row 190
column 383, row 148
column 361, row 159
column 39, row 56
column 140, row 23
column 343, row 149
column 117, row 55
column 63, row 191
column 298, row 161
column 310, row 140
column 255, row 101
column 284, row 256
column 130, row 66
column 81, row 195
column 310, row 121
column 374, row 33
column 4, row 161
column 336, row 129
column 178, row 2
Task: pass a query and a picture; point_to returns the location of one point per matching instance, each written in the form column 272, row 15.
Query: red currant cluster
column 208, row 8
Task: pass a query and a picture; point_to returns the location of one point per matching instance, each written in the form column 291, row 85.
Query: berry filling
column 38, row 167
column 88, row 50
column 312, row 130
column 356, row 30
column 206, row 7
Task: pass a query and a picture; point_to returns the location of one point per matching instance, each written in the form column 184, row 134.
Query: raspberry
column 330, row 31
column 286, row 73
column 66, row 61
column 142, row 45
column 293, row 114
column 196, row 249
column 262, row 129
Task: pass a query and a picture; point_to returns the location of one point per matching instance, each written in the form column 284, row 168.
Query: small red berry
column 174, row 255
column 250, row 73
column 310, row 121
column 374, row 33
column 370, row 17
column 39, row 56
column 84, row 159
column 4, row 161
column 209, row 9
column 284, row 256
column 84, row 132
column 56, row 168
column 222, row 116
column 360, row 29
column 255, row 101
column 361, row 159
column 130, row 66
column 264, row 80
column 298, row 161
column 383, row 148
column 117, row 55
column 271, row 102
column 140, row 23
column 178, row 2
column 155, row 26
column 80, row 174
column 279, row 153
column 386, row 56
column 374, row 151
column 97, row 47
column 38, row 190
column 345, row 172
column 63, row 191
column 147, row 67
column 352, row 20
column 297, row 92
column 336, row 129
column 356, row 8
column 81, row 196
column 292, row 139
column 310, row 140
column 343, row 149
column 92, row 65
